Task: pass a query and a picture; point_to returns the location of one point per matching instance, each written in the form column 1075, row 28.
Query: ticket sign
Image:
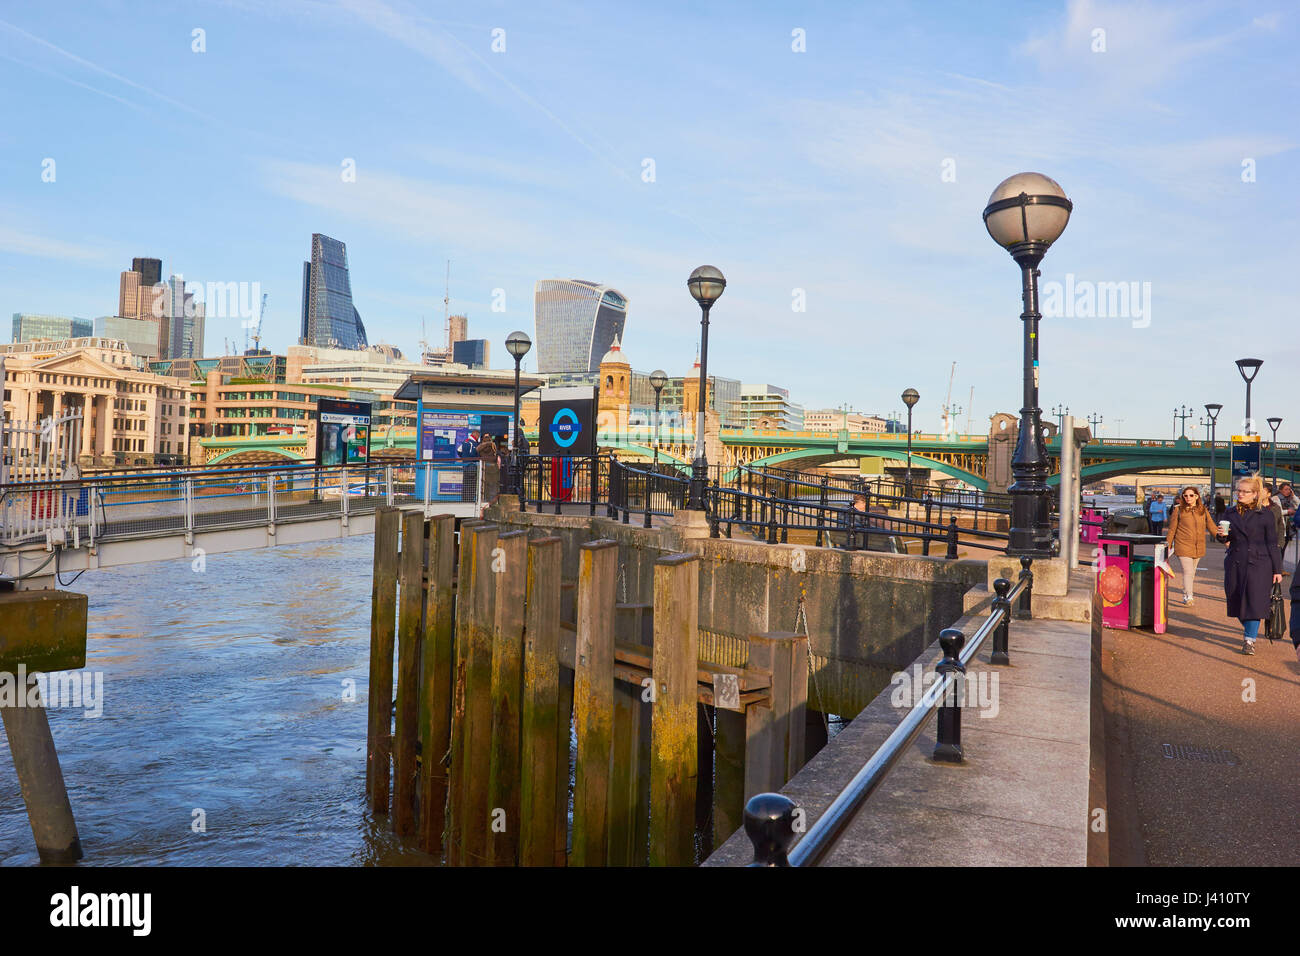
column 342, row 432
column 1245, row 455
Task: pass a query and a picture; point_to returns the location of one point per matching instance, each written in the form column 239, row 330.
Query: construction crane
column 970, row 404
column 257, row 326
column 947, row 402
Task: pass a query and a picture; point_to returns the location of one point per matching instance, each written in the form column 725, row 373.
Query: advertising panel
column 342, row 432
column 445, row 432
column 1245, row 455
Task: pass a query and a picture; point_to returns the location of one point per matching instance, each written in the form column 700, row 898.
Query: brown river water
column 223, row 691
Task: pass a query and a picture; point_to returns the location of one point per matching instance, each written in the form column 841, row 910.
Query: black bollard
column 1026, row 596
column 1002, row 633
column 769, row 824
column 952, row 538
column 947, row 748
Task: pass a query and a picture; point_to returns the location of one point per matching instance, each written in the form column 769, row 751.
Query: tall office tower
column 328, row 315
column 150, row 271
column 457, row 330
column 472, row 353
column 576, row 323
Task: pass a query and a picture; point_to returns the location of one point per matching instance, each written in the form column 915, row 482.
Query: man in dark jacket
column 1295, row 611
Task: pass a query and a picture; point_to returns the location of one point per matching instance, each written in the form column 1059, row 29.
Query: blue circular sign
column 565, row 427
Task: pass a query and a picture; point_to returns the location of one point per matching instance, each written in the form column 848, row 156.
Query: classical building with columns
column 129, row 415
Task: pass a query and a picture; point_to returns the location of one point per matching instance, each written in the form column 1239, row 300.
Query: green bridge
column 959, row 457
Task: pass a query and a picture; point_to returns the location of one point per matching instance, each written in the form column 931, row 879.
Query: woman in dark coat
column 1253, row 562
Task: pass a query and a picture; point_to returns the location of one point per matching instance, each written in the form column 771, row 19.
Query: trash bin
column 1141, row 592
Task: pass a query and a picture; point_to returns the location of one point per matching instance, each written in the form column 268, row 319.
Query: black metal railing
column 771, row 818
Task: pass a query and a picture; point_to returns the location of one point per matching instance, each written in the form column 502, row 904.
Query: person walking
column 1295, row 612
column 1279, row 516
column 1189, row 522
column 1253, row 563
column 1157, row 514
column 1290, row 503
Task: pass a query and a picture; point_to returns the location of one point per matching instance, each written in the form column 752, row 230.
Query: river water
column 223, row 691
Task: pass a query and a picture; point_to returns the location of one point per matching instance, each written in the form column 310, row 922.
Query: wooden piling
column 593, row 699
column 383, row 621
column 476, row 817
column 464, row 608
column 510, row 569
column 564, row 770
column 775, row 729
column 410, row 638
column 629, row 789
column 672, row 726
column 437, row 665
column 538, row 739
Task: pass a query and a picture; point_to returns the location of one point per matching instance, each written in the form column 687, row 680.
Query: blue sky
column 822, row 171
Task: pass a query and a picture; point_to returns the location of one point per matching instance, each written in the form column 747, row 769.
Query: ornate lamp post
column 1212, row 410
column 1251, row 366
column 1060, row 414
column 1025, row 215
column 517, row 344
column 1183, row 412
column 658, row 379
column 910, row 398
column 1273, row 423
column 706, row 284
column 1095, row 421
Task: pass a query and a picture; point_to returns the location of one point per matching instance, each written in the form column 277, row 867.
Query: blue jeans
column 1250, row 630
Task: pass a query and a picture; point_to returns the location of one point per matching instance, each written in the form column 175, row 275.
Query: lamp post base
column 699, row 481
column 1031, row 531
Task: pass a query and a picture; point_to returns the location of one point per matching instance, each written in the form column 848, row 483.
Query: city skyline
column 846, row 177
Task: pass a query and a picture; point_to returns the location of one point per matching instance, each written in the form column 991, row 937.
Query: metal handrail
column 769, row 817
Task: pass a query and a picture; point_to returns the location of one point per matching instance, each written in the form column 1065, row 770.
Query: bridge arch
column 646, row 451
column 807, row 455
column 260, row 456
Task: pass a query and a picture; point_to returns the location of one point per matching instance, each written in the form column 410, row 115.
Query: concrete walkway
column 1020, row 798
column 1203, row 742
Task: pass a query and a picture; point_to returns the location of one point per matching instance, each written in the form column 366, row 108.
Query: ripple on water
column 223, row 694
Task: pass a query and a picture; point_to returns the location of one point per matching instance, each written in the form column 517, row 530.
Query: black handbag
column 1275, row 626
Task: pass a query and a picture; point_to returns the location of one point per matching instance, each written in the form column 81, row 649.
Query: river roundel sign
column 565, row 427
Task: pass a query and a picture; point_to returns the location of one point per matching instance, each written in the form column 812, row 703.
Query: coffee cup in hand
column 1224, row 526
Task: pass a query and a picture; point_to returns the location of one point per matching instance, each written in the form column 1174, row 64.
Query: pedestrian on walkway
column 1189, row 522
column 1253, row 562
column 1295, row 611
column 1290, row 505
column 1157, row 514
column 1279, row 516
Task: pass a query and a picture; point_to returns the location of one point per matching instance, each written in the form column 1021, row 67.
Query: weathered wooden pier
column 541, row 721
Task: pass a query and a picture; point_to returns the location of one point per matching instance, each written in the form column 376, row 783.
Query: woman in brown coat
column 1189, row 523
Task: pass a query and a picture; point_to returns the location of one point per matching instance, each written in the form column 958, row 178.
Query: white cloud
column 28, row 244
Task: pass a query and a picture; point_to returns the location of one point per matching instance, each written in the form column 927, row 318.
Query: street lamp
column 658, row 379
column 517, row 344
column 910, row 398
column 1095, row 421
column 706, row 284
column 1213, row 410
column 1251, row 365
column 1060, row 415
column 1273, row 423
column 1183, row 412
column 1025, row 215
